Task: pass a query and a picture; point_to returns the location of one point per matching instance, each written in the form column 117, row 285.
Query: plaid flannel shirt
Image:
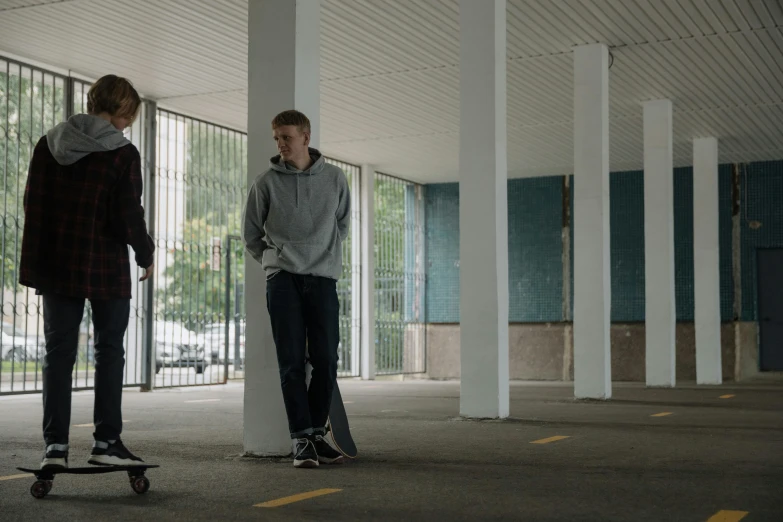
column 79, row 221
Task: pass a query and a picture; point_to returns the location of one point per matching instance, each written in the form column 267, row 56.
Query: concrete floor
column 418, row 462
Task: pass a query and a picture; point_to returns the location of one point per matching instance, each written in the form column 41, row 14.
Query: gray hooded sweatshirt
column 297, row 220
column 82, row 134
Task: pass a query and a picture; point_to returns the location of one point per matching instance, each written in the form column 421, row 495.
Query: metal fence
column 195, row 189
column 200, row 191
column 399, row 277
column 32, row 101
column 350, row 320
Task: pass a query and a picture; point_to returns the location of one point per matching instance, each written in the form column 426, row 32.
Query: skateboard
column 338, row 433
column 43, row 485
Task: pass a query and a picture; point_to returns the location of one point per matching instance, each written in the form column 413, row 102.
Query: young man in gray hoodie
column 296, row 218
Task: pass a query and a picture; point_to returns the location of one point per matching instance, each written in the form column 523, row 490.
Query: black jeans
column 62, row 318
column 305, row 315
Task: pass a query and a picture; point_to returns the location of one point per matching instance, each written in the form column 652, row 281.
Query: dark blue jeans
column 305, row 315
column 62, row 318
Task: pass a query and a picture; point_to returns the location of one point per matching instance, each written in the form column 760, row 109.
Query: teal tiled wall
column 761, row 189
column 535, row 266
column 626, row 232
column 442, row 250
column 535, row 249
column 726, row 280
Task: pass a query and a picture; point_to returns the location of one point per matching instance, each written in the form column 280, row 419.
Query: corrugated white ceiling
column 390, row 71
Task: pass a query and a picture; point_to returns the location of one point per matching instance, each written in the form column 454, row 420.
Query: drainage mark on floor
column 728, row 516
column 662, row 414
column 296, row 498
column 550, row 439
column 729, row 396
column 90, row 425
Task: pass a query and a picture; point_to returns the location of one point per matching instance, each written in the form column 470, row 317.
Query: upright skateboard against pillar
column 338, row 432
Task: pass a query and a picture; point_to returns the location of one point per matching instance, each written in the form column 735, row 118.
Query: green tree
column 214, row 193
column 195, row 293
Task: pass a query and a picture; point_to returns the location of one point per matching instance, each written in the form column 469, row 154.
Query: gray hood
column 277, row 164
column 81, row 135
column 296, row 221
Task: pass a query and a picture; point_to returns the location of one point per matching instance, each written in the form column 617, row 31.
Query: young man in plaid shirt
column 82, row 209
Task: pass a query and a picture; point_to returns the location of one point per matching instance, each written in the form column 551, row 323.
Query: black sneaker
column 326, row 453
column 305, row 455
column 112, row 454
column 56, row 457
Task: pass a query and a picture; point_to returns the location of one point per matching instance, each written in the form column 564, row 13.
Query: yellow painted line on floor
column 550, row 439
column 726, row 396
column 13, row 477
column 297, row 498
column 728, row 516
column 205, row 400
column 662, row 414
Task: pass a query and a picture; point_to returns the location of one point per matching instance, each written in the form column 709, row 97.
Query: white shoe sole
column 54, row 463
column 327, row 460
column 104, row 460
column 306, row 463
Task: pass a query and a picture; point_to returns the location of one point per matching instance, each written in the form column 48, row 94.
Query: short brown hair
column 115, row 96
column 292, row 117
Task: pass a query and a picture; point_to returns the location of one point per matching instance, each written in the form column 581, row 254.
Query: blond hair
column 292, row 117
column 115, row 96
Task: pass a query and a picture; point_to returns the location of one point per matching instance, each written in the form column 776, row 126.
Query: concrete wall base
column 544, row 351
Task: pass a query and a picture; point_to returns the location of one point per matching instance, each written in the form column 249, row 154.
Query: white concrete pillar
column 135, row 358
column 660, row 310
column 356, row 276
column 368, row 272
column 706, row 260
column 483, row 211
column 284, row 37
column 592, row 277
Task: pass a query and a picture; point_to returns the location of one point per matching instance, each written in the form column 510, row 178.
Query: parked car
column 215, row 339
column 178, row 347
column 16, row 346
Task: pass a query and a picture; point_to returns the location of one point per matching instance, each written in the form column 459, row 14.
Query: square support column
column 356, row 277
column 484, row 391
column 660, row 309
column 592, row 275
column 368, row 272
column 284, row 37
column 706, row 260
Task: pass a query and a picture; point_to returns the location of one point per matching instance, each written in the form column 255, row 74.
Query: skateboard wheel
column 48, row 486
column 140, row 485
column 39, row 489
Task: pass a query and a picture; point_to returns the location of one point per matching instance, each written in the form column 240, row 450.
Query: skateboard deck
column 44, row 477
column 338, row 433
